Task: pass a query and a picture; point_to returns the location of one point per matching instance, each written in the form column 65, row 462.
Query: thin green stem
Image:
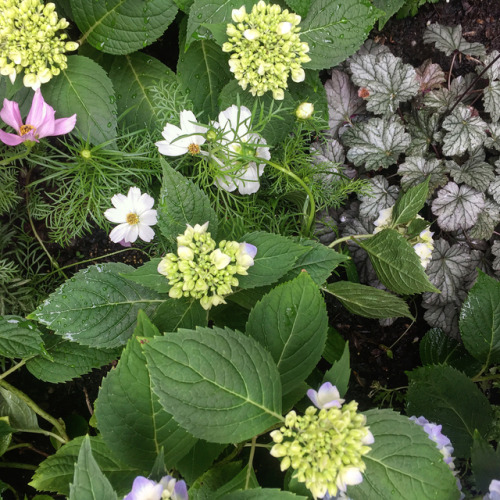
column 353, row 237
column 59, row 426
column 45, row 433
column 250, row 463
column 312, row 204
column 19, row 156
column 478, row 378
column 17, row 465
column 13, row 369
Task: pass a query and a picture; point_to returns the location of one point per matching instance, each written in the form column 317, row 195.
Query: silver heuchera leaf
column 381, row 196
column 443, row 99
column 493, row 141
column 475, row 171
column 449, row 39
column 343, row 101
column 457, row 207
column 465, row 131
column 492, row 73
column 430, row 76
column 492, row 100
column 495, row 250
column 416, row 169
column 376, row 143
column 422, row 126
column 328, row 159
column 369, row 47
column 494, row 187
column 444, row 317
column 384, row 82
column 486, row 222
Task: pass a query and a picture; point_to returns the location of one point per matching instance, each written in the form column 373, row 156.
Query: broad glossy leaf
column 130, row 418
column 181, row 203
column 368, row 301
column 480, row 320
column 147, row 275
column 220, row 385
column 416, row 169
column 340, row 372
column 56, row 472
column 449, row 398
column 132, row 75
column 465, row 132
column 335, row 30
column 380, row 196
column 203, row 72
column 88, row 480
column 343, row 100
column 97, row 307
column 449, row 39
column 457, row 207
column 185, row 312
column 85, row 89
column 276, row 255
column 485, row 462
column 21, row 416
column 68, row 360
column 385, row 81
column 122, row 26
column 198, row 459
column 376, row 143
column 403, row 464
column 397, row 265
column 291, row 323
column 408, row 206
column 19, row 338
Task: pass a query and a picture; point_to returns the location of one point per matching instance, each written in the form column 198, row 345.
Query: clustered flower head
column 266, row 49
column 231, row 157
column 423, row 244
column 202, row 271
column 29, row 41
column 325, row 447
column 40, row 122
column 443, row 444
column 147, row 489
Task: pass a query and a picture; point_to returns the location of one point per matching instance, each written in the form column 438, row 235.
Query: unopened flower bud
column 304, row 111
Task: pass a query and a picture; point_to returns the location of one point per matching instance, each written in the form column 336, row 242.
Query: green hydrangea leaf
column 300, row 7
column 198, row 460
column 21, row 416
column 132, row 75
column 262, row 494
column 88, row 480
column 492, row 100
column 410, row 203
column 68, row 360
column 240, row 399
column 479, row 320
column 386, row 81
column 449, row 398
column 475, row 171
column 182, row 202
column 147, row 275
column 97, row 307
column 389, row 7
column 416, row 169
column 397, row 265
column 334, row 31
column 464, row 132
column 449, row 39
column 56, row 472
column 368, row 301
column 457, row 207
column 403, row 464
column 136, row 427
column 19, row 338
column 203, row 73
column 122, row 26
column 85, row 89
column 485, row 462
column 291, row 323
column 185, row 312
column 376, row 143
column 381, row 196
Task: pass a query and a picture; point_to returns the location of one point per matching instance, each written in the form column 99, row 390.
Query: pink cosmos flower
column 39, row 123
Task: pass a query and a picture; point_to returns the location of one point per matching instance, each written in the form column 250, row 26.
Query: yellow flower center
column 132, row 219
column 194, row 149
column 26, row 129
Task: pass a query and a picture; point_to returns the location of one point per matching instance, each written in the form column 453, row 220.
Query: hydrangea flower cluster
column 266, row 48
column 325, row 447
column 29, row 41
column 147, row 489
column 443, row 444
column 423, row 244
column 202, row 271
column 236, row 143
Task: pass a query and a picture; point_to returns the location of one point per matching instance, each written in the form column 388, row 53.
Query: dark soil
column 379, row 354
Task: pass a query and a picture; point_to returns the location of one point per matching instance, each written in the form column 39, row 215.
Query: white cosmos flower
column 134, row 215
column 187, row 139
column 234, row 123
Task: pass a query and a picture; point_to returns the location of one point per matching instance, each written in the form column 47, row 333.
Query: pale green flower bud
column 238, row 15
column 304, row 111
column 176, row 291
column 185, row 253
column 298, row 75
column 227, row 47
column 278, row 94
column 71, row 46
column 251, row 34
column 284, row 28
